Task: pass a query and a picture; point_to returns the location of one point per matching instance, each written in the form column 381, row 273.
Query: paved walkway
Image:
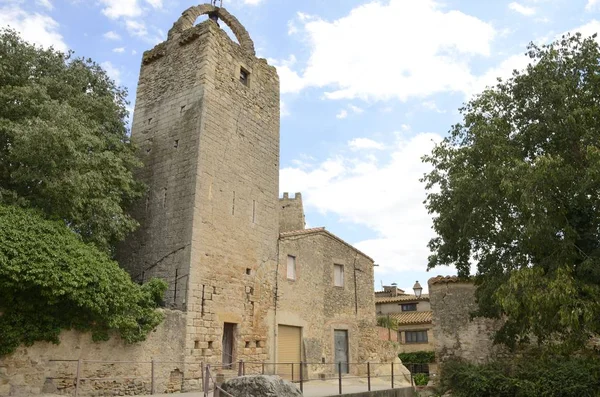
column 325, row 388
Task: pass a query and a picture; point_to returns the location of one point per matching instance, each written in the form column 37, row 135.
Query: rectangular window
column 291, row 267
column 409, row 307
column 415, row 337
column 244, row 76
column 338, row 275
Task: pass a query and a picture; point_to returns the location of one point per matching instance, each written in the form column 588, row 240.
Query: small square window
column 291, row 267
column 248, row 271
column 244, row 76
column 338, row 275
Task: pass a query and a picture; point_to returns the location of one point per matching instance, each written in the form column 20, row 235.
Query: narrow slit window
column 244, row 76
column 233, row 205
column 253, row 211
column 291, row 267
column 338, row 275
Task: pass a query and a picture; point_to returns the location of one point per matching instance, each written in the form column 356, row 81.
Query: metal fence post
column 78, row 375
column 240, row 368
column 340, row 376
column 206, row 380
column 152, row 378
column 369, row 376
column 292, row 372
column 412, row 383
column 263, row 367
column 301, row 378
column 392, row 375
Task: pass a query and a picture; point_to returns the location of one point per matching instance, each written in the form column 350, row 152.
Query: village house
column 410, row 317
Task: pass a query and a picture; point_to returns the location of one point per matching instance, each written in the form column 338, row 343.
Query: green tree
column 64, row 147
column 515, row 190
column 51, row 280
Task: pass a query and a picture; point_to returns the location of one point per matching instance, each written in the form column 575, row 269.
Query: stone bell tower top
column 189, row 16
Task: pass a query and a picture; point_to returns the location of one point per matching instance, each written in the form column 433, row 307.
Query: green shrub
column 51, row 280
column 420, row 357
column 526, row 377
column 421, row 379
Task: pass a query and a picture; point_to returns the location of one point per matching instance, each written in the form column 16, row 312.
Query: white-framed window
column 338, row 275
column 291, row 267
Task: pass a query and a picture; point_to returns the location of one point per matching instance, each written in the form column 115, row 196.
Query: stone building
column 412, row 316
column 212, row 224
column 246, row 280
column 325, row 297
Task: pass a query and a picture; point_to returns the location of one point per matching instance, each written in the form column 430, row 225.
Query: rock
column 260, row 386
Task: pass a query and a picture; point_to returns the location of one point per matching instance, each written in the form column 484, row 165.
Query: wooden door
column 228, row 343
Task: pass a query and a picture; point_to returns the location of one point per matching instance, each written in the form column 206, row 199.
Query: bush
column 420, row 357
column 51, row 280
column 525, row 377
column 421, row 379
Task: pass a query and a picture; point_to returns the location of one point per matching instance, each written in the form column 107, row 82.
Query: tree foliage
column 64, row 146
column 515, row 190
column 51, row 280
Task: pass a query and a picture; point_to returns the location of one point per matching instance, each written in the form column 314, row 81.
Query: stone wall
column 31, row 371
column 207, row 124
column 387, row 334
column 457, row 336
column 291, row 214
column 312, row 302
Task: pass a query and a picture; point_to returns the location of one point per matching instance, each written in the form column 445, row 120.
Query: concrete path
column 325, row 388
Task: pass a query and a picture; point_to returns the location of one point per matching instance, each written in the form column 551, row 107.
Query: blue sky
column 367, row 88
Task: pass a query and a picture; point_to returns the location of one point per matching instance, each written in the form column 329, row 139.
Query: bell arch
column 189, row 16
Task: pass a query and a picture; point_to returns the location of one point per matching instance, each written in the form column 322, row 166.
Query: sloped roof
column 321, row 230
column 408, row 318
column 401, row 298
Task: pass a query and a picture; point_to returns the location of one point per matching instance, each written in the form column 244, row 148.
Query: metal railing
column 350, row 375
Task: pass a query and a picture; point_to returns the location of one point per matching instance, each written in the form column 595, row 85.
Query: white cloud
column 292, row 28
column 45, row 3
column 389, row 200
column 34, row 27
column 112, row 71
column 119, row 50
column 591, row 5
column 352, row 57
column 112, row 35
column 115, row 9
column 121, row 8
column 342, row 114
column 521, row 9
column 136, row 28
column 431, row 105
column 283, row 109
column 587, row 29
column 365, row 143
column 356, row 109
column 253, row 2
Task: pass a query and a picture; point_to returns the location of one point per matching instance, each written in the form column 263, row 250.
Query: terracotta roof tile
column 407, row 318
column 400, row 298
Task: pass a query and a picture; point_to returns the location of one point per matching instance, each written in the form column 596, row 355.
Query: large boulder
column 260, row 386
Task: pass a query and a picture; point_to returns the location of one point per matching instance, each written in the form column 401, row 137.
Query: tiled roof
column 407, row 318
column 400, row 298
column 319, row 230
column 447, row 279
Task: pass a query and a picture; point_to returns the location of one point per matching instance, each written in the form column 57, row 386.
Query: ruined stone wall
column 30, row 371
column 291, row 215
column 312, row 302
column 456, row 335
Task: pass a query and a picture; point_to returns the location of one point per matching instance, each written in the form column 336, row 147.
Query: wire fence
column 152, row 377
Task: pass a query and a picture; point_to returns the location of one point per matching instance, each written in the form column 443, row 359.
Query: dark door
column 228, row 331
column 341, row 349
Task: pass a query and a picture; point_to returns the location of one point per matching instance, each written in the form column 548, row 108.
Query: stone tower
column 291, row 215
column 207, row 125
